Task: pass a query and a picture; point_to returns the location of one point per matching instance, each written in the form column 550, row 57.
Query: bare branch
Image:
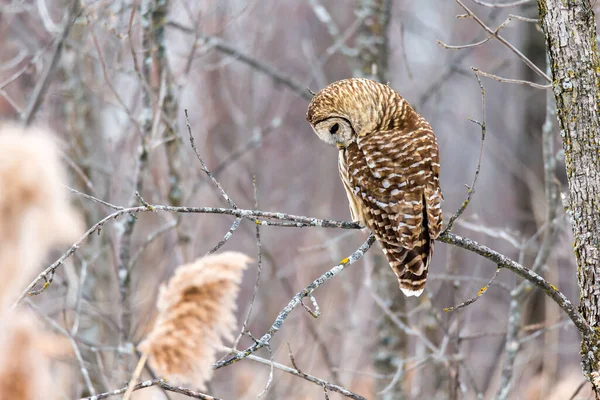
column 224, row 47
column 42, row 85
column 203, row 164
column 258, row 270
column 296, row 300
column 505, row 42
column 82, row 368
column 464, row 46
column 502, row 5
column 227, row 236
column 475, row 298
column 151, row 238
column 300, row 221
column 508, row 80
column 471, row 190
column 297, row 372
column 505, row 262
column 95, row 199
column 511, row 348
column 162, row 383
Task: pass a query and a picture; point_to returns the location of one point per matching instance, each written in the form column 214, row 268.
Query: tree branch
column 42, row 85
column 504, row 262
column 295, row 302
column 224, row 47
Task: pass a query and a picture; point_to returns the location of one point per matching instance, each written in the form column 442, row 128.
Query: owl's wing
column 396, row 175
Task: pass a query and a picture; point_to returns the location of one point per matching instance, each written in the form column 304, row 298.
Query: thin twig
column 508, row 80
column 452, row 68
column 475, row 298
column 401, row 325
column 146, row 87
column 471, row 189
column 162, row 383
column 258, row 270
column 463, row 46
column 82, row 278
column 41, row 86
column 297, row 372
column 82, row 368
column 141, row 200
column 505, row 42
column 544, row 329
column 95, row 199
column 203, row 164
column 317, row 311
column 258, row 135
column 108, row 81
column 469, row 278
column 511, row 348
column 227, row 236
column 505, row 262
column 296, row 300
column 525, row 19
column 270, row 379
column 326, row 19
column 581, row 386
column 397, row 376
column 17, row 74
column 502, row 5
column 151, row 238
column 224, row 47
column 48, row 273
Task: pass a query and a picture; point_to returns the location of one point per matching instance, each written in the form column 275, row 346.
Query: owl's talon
column 362, row 226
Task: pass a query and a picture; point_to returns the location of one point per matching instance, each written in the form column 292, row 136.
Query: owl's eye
column 334, row 128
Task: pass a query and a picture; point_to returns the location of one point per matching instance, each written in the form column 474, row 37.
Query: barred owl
column 389, row 165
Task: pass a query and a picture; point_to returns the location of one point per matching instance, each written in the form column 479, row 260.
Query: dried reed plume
column 26, row 351
column 35, row 213
column 195, row 314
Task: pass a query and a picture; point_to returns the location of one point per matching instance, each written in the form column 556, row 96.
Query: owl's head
column 346, row 109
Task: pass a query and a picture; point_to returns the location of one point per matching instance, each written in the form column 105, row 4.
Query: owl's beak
column 339, row 146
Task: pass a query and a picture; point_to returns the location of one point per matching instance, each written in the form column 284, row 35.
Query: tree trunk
column 372, row 39
column 570, row 31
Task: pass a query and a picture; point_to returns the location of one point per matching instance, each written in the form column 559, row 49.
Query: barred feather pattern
column 390, row 171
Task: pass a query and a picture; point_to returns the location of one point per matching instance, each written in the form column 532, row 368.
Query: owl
column 389, row 164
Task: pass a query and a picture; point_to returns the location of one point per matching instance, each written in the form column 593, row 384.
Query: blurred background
column 114, row 86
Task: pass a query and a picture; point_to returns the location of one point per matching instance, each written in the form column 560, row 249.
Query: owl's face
column 335, row 130
column 346, row 109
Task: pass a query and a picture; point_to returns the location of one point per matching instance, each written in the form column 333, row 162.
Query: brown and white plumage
column 389, row 165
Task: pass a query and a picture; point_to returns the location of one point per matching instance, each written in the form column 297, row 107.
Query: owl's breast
column 347, row 167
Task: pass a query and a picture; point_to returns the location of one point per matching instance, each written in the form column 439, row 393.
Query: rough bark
column 570, row 31
column 372, row 39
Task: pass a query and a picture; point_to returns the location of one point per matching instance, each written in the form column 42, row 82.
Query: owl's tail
column 411, row 265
